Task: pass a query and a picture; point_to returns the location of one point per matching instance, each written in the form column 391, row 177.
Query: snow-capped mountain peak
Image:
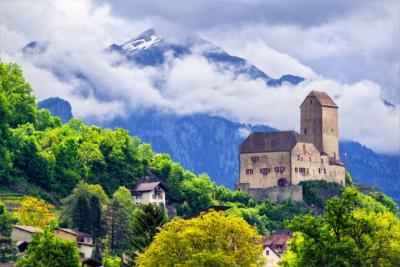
column 145, row 40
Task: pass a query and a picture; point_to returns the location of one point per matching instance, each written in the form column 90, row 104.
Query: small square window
column 249, row 171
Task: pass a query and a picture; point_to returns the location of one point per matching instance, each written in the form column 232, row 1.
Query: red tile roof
column 277, row 241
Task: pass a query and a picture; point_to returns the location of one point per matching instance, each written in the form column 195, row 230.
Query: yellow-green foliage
column 34, row 212
column 212, row 239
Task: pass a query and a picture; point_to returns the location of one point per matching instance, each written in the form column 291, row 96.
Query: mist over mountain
column 148, row 49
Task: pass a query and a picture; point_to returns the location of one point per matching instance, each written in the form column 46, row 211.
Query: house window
column 154, row 196
column 255, row 159
column 305, row 130
column 295, row 169
column 298, row 157
column 138, row 196
column 322, row 160
column 319, row 170
column 249, row 171
column 265, row 170
column 302, row 170
column 302, row 158
column 267, row 252
column 81, row 239
column 304, row 147
column 310, row 101
column 81, row 255
column 159, row 196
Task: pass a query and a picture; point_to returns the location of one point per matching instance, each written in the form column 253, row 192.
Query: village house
column 84, row 241
column 272, row 164
column 145, row 193
column 272, row 258
column 24, row 232
column 278, row 241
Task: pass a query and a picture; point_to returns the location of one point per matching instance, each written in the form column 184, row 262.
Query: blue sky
column 347, row 48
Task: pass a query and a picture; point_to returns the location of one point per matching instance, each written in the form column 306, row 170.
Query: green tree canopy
column 45, row 250
column 212, row 239
column 354, row 231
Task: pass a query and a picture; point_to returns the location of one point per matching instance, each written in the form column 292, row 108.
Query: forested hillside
column 79, row 175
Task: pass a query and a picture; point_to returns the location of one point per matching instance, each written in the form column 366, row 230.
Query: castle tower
column 319, row 122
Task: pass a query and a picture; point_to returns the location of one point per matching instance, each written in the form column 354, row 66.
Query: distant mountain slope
column 148, row 49
column 57, row 107
column 204, row 143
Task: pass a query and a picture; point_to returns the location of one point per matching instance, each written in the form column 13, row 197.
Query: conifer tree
column 81, row 215
column 96, row 219
column 117, row 226
column 7, row 248
column 148, row 218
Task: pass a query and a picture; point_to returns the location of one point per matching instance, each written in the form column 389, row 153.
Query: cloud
column 78, row 32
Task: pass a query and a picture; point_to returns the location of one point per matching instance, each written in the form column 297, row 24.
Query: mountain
column 148, row 49
column 57, row 107
column 204, row 143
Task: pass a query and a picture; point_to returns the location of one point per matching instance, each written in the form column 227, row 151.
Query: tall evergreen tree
column 7, row 248
column 117, row 226
column 96, row 219
column 148, row 218
column 81, row 215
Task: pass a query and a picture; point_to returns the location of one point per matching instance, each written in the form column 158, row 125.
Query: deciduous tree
column 45, row 250
column 212, row 239
column 35, row 212
column 352, row 232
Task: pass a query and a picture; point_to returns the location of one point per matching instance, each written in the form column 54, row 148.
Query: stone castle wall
column 277, row 165
column 275, row 194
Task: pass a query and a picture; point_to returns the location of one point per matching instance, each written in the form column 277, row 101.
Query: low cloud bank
column 78, row 33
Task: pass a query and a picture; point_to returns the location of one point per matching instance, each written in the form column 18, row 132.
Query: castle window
column 295, row 169
column 305, row 130
column 304, row 147
column 265, row 170
column 308, row 171
column 255, row 159
column 319, row 170
column 310, row 159
column 324, row 170
column 249, row 171
column 298, row 157
column 322, row 160
column 302, row 170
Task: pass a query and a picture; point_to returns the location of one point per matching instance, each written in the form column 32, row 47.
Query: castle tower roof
column 323, row 98
column 270, row 142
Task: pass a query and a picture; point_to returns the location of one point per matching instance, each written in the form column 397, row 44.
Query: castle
column 272, row 164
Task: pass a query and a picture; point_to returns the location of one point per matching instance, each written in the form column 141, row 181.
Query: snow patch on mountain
column 140, row 44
